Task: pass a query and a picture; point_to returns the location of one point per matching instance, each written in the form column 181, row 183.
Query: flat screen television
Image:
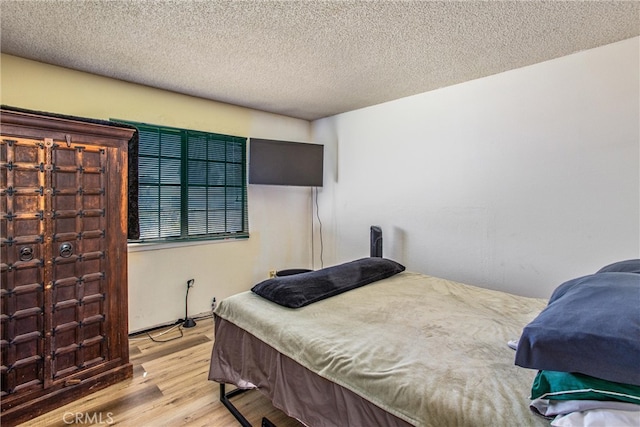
column 275, row 162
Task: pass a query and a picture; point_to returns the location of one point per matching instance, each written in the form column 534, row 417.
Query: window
column 191, row 184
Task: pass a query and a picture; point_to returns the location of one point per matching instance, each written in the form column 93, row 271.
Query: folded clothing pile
column 586, row 347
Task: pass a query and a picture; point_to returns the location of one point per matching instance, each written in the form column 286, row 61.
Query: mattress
column 424, row 350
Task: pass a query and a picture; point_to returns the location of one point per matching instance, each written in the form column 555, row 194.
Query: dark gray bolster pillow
column 302, row 289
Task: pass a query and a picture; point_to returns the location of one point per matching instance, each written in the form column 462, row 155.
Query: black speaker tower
column 376, row 241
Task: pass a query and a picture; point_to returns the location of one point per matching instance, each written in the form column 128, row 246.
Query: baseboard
column 167, row 325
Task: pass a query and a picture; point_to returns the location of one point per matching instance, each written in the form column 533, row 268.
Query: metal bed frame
column 225, row 397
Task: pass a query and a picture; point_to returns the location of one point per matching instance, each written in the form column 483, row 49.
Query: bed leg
column 224, row 398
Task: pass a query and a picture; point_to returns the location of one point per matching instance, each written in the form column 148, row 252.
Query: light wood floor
column 169, row 388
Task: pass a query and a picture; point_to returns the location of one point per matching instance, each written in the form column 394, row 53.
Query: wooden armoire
column 63, row 260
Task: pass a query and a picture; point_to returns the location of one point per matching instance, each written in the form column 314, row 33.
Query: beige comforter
column 430, row 351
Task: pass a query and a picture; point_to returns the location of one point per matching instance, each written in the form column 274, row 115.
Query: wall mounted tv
column 285, row 163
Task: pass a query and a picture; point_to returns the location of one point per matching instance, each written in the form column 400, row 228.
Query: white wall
column 280, row 233
column 517, row 181
column 279, row 217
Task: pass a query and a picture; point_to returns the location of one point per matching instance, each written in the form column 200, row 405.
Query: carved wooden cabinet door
column 22, row 262
column 60, row 252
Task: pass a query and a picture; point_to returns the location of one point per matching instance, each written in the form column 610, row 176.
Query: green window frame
column 192, row 185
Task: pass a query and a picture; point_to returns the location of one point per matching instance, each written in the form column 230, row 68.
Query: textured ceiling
column 307, row 59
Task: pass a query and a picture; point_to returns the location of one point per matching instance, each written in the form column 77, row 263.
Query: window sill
column 156, row 246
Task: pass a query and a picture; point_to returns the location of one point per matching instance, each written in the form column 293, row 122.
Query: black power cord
column 187, row 322
column 168, row 330
column 320, row 226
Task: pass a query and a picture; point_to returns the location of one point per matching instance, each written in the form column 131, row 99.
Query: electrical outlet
column 213, row 304
column 272, row 274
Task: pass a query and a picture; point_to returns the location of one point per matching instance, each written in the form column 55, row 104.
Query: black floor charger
column 188, row 322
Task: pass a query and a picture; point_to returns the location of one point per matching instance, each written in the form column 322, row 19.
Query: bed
column 403, row 350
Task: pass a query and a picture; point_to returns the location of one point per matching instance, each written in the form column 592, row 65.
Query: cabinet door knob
column 26, row 253
column 66, row 250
